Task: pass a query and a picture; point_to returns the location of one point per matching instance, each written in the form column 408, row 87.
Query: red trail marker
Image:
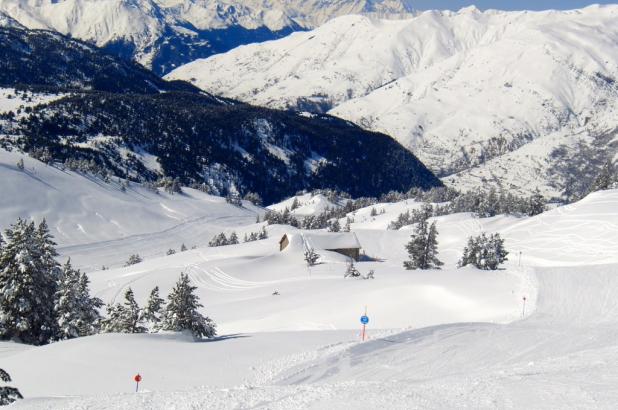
column 137, row 378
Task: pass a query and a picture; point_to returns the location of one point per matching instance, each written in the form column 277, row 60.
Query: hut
column 344, row 243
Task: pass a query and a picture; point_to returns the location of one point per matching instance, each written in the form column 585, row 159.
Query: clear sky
column 506, row 4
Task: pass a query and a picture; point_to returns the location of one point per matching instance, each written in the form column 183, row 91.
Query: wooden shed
column 344, row 243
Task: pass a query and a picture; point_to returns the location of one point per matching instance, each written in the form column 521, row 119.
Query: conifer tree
column 263, row 234
column 66, row 307
column 8, row 394
column 125, row 318
column 483, row 252
column 182, row 312
column 233, row 239
column 154, row 310
column 311, row 257
column 423, row 248
column 28, row 277
column 88, row 308
column 183, row 248
column 536, row 203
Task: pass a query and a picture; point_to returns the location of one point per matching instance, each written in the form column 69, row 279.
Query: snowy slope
column 142, row 27
column 466, row 91
column 85, row 213
column 563, row 355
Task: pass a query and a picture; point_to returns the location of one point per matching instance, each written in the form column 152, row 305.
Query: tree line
column 42, row 301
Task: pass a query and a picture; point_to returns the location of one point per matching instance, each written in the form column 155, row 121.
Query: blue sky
column 506, row 4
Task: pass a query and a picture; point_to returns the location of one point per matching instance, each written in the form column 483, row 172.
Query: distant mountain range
column 164, row 34
column 69, row 102
column 517, row 100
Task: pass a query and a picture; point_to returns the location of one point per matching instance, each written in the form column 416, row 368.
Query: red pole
column 363, row 333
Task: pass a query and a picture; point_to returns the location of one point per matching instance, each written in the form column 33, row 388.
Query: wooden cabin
column 344, row 243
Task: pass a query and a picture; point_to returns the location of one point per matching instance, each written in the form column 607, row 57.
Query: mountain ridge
column 163, row 34
column 462, row 90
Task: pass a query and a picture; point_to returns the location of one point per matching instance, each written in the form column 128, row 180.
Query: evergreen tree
column 233, row 239
column 154, row 310
column 125, row 318
column 335, row 226
column 183, row 248
column 133, row 260
column 170, row 252
column 311, row 257
column 28, row 276
column 66, row 307
column 423, row 248
column 88, row 308
column 263, row 234
column 182, row 312
column 607, row 178
column 536, row 203
column 484, row 252
column 351, row 271
column 219, row 240
column 8, row 394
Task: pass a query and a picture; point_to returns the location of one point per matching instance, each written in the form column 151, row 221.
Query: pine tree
column 154, row 310
column 125, row 318
column 351, row 271
column 335, row 226
column 183, row 248
column 88, row 308
column 133, row 260
column 263, row 234
column 536, row 203
column 233, row 239
column 28, row 280
column 170, row 252
column 182, row 312
column 311, row 257
column 66, row 307
column 484, row 252
column 8, row 394
column 423, row 248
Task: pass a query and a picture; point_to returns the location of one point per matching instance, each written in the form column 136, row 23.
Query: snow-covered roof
column 331, row 240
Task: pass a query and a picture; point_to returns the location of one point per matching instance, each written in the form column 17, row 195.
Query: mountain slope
column 459, row 89
column 44, row 58
column 164, row 34
column 148, row 128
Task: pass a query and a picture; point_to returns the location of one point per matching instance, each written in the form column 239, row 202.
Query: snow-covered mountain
column 165, row 33
column 487, row 96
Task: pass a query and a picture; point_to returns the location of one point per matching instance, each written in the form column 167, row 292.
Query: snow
column 309, row 204
column 470, row 93
column 143, row 22
column 450, row 338
column 98, row 224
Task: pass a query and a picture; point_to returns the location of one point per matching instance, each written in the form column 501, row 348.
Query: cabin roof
column 330, row 240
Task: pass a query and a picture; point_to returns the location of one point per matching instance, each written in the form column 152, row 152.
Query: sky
column 506, row 4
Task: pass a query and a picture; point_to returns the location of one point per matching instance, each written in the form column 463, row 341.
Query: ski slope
column 437, row 339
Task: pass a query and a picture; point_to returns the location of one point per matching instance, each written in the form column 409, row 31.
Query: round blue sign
column 364, row 320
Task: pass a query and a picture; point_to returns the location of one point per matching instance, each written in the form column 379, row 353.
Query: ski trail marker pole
column 364, row 320
column 523, row 310
column 137, row 378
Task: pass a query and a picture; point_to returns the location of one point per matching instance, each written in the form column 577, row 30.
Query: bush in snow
column 352, row 272
column 170, row 252
column 254, row 198
column 76, row 311
column 182, row 312
column 484, row 252
column 423, row 248
column 133, row 260
column 124, row 318
column 20, row 164
column 8, row 394
column 28, row 282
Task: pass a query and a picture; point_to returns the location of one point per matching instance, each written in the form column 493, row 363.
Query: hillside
column 163, row 34
column 518, row 100
column 436, row 338
column 114, row 118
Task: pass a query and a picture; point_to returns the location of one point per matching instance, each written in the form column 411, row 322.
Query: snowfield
column 454, row 338
column 479, row 97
